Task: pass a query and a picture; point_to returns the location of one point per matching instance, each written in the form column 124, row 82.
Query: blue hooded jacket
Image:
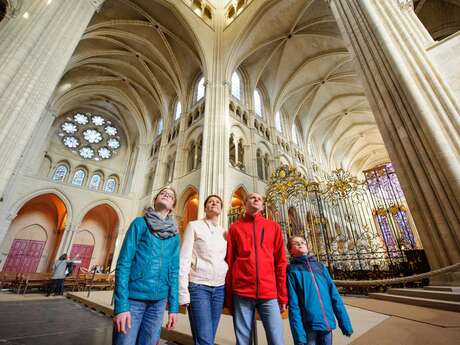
column 313, row 299
column 147, row 268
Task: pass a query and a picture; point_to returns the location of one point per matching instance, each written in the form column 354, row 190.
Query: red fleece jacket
column 256, row 260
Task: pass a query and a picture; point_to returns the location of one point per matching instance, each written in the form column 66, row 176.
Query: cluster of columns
column 417, row 115
column 35, row 48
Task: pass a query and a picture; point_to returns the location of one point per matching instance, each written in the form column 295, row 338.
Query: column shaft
column 415, row 112
column 34, row 54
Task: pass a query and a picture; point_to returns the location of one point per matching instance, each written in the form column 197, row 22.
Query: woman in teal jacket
column 313, row 299
column 146, row 277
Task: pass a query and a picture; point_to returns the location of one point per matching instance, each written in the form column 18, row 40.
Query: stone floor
column 35, row 320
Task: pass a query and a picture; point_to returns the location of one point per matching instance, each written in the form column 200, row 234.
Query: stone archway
column 94, row 242
column 190, row 203
column 35, row 234
column 237, row 205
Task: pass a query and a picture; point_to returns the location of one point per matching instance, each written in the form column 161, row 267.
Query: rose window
column 104, row 152
column 90, row 136
column 71, row 142
column 98, row 120
column 110, row 130
column 69, row 127
column 81, row 119
column 86, row 152
column 113, row 143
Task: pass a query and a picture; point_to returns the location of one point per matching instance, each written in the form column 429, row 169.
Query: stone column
column 417, row 115
column 162, row 163
column 180, row 164
column 35, row 48
column 215, row 131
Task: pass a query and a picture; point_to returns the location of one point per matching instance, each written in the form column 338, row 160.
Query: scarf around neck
column 161, row 228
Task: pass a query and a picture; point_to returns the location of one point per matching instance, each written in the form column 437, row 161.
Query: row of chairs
column 81, row 281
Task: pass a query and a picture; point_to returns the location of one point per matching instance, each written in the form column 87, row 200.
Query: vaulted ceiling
column 295, row 53
column 135, row 58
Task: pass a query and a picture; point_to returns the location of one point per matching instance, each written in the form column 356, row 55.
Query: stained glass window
column 257, row 103
column 110, row 185
column 200, row 89
column 95, row 182
column 236, row 85
column 78, row 177
column 160, row 127
column 87, row 152
column 278, row 122
column 178, row 110
column 60, row 173
column 389, row 202
column 90, row 136
column 295, row 137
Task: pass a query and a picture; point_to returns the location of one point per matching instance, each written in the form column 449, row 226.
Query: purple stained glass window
column 388, row 238
column 406, row 233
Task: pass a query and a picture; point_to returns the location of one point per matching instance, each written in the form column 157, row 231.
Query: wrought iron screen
column 351, row 225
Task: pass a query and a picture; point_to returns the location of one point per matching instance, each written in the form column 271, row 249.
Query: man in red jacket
column 256, row 275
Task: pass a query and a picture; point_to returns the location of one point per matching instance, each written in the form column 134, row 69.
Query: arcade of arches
column 105, row 102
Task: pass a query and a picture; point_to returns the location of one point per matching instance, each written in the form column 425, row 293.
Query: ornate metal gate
column 351, row 225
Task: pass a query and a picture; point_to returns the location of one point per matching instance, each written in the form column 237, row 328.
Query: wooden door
column 84, row 253
column 24, row 256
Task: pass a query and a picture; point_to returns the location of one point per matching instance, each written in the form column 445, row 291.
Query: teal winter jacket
column 313, row 300
column 147, row 268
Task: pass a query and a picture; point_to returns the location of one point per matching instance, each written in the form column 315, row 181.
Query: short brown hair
column 213, row 196
column 162, row 189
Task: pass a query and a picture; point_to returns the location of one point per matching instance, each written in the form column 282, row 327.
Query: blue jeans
column 204, row 310
column 243, row 316
column 319, row 338
column 146, row 320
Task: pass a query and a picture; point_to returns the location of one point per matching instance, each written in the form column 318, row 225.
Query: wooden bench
column 9, row 280
column 101, row 281
column 27, row 281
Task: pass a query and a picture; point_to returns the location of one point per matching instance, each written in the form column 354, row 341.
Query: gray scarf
column 161, row 228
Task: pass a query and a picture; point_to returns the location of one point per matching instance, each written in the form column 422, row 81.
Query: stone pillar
column 180, row 164
column 66, row 239
column 138, row 168
column 162, row 163
column 215, row 131
column 417, row 115
column 35, row 48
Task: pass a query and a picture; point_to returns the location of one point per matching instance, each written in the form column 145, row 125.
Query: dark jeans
column 57, row 287
column 204, row 310
column 146, row 320
column 319, row 338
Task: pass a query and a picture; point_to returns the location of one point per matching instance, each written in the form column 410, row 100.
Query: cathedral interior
column 343, row 114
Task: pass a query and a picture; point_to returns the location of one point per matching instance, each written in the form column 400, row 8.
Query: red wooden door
column 84, row 253
column 24, row 256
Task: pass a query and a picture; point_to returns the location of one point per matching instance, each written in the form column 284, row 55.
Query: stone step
column 442, row 288
column 429, row 294
column 421, row 302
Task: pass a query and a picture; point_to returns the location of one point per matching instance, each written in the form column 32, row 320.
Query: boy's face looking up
column 298, row 246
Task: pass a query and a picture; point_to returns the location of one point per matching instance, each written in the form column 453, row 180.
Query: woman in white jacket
column 202, row 272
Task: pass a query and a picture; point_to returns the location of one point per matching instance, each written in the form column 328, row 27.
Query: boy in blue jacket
column 313, row 298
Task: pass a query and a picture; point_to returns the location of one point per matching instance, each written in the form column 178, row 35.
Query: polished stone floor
column 52, row 322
